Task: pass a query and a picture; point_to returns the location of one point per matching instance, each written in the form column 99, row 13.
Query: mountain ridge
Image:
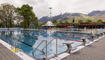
column 94, row 15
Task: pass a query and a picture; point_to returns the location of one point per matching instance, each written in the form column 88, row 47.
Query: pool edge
column 20, row 54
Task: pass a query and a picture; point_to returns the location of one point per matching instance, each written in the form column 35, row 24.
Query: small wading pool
column 34, row 42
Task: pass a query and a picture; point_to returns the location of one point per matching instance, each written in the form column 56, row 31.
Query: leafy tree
column 28, row 15
column 7, row 15
column 61, row 22
column 66, row 22
column 89, row 21
column 18, row 21
column 54, row 21
column 80, row 21
column 35, row 22
column 99, row 21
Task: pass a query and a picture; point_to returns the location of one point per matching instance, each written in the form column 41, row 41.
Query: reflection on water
column 34, row 42
column 29, row 40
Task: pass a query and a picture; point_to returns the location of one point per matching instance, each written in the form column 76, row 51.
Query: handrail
column 42, row 48
column 38, row 49
column 47, row 44
column 40, row 44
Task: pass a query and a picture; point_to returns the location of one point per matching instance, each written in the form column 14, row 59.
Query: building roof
column 49, row 23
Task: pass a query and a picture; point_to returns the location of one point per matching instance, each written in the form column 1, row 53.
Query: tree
column 99, row 21
column 54, row 21
column 80, row 21
column 18, row 21
column 7, row 15
column 89, row 21
column 61, row 22
column 28, row 15
column 66, row 22
column 35, row 22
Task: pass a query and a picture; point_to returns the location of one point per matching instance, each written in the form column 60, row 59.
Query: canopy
column 49, row 23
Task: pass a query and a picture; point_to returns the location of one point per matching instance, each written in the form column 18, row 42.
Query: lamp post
column 50, row 12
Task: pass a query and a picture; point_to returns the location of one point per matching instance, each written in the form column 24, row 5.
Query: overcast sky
column 41, row 7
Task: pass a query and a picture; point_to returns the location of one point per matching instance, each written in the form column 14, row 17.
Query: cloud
column 86, row 6
column 41, row 7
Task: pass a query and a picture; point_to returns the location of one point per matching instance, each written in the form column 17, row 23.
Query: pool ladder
column 36, row 48
column 42, row 48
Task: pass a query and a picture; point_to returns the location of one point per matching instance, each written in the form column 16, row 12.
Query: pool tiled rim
column 63, row 55
column 21, row 54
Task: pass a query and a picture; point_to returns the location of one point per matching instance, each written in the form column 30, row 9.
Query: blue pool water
column 76, row 36
column 28, row 40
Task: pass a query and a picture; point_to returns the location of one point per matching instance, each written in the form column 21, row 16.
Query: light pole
column 50, row 8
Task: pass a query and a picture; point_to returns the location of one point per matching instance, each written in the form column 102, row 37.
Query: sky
column 41, row 7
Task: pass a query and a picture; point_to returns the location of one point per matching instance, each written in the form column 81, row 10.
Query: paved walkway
column 6, row 54
column 96, row 51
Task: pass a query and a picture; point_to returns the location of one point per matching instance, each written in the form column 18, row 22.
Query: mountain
column 97, row 15
column 94, row 15
column 61, row 17
column 44, row 19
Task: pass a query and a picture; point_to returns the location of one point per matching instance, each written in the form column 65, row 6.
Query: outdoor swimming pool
column 34, row 42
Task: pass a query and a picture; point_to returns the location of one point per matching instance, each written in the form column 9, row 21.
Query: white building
column 49, row 23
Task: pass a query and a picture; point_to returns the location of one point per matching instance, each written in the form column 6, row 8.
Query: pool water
column 76, row 36
column 34, row 42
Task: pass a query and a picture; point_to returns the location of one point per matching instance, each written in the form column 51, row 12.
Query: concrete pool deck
column 6, row 54
column 20, row 54
column 95, row 51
